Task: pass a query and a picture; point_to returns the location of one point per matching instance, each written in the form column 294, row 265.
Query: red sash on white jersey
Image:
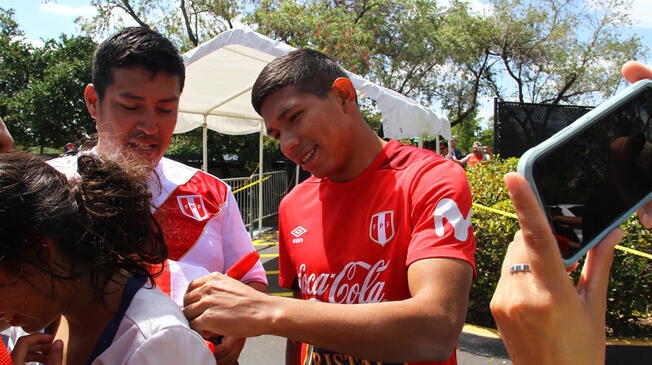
column 186, row 211
column 175, row 278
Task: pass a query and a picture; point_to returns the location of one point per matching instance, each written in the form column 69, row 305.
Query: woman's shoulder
column 154, row 330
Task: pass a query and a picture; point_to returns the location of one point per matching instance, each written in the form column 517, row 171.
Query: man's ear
column 92, row 100
column 346, row 92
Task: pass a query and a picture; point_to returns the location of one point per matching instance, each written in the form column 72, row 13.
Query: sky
column 48, row 19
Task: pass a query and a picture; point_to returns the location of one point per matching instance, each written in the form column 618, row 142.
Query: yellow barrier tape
column 506, row 214
column 634, row 252
column 618, row 247
column 250, row 185
column 287, row 294
column 272, row 272
column 265, row 243
column 268, row 255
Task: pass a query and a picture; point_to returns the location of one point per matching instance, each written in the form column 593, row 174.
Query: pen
column 238, row 271
column 242, row 266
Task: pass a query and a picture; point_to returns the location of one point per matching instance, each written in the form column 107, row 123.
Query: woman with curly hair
column 77, row 255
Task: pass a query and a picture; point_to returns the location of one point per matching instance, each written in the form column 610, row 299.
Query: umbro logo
column 297, row 233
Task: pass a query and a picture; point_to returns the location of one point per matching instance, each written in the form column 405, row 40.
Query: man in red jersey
column 381, row 225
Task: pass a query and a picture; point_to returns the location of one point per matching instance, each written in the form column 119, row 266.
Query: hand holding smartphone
column 592, row 175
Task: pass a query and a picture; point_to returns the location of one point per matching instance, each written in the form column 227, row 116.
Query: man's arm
column 423, row 327
column 293, row 348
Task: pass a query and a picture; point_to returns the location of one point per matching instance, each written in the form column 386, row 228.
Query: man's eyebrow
column 129, row 95
column 286, row 110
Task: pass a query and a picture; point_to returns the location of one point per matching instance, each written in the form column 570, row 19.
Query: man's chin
column 150, row 156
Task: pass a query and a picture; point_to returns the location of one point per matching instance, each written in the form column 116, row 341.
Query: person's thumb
column 55, row 356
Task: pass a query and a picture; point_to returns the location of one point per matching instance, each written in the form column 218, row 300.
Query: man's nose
column 288, row 142
column 148, row 123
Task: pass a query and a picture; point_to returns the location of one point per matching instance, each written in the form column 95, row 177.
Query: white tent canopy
column 217, row 94
column 221, row 72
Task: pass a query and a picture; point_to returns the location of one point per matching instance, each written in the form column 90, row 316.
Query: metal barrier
column 274, row 189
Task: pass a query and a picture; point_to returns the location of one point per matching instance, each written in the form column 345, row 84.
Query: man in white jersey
column 138, row 77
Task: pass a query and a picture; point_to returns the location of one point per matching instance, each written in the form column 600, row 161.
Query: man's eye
column 166, row 111
column 127, row 107
column 294, row 116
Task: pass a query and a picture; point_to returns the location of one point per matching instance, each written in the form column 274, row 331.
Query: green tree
column 186, row 22
column 15, row 59
column 442, row 54
column 42, row 88
column 561, row 51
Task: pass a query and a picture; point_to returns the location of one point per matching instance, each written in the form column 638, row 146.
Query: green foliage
column 630, row 288
column 186, row 22
column 493, row 233
column 41, row 98
column 245, row 147
column 629, row 311
column 439, row 53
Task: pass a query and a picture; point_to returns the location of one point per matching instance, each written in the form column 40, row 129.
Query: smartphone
column 595, row 173
column 481, row 149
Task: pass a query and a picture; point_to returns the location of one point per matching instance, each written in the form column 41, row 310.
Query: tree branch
column 186, row 20
column 127, row 7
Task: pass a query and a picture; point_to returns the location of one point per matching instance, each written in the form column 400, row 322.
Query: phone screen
column 591, row 180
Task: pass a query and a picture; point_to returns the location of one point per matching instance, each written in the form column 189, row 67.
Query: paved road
column 270, row 350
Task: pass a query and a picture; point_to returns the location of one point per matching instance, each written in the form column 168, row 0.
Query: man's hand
column 542, row 318
column 37, row 348
column 5, row 138
column 216, row 304
column 634, row 71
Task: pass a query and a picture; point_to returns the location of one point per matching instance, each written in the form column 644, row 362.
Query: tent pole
column 437, row 144
column 260, row 185
column 296, row 176
column 204, row 145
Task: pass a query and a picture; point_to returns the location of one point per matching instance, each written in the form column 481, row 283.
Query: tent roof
column 221, row 72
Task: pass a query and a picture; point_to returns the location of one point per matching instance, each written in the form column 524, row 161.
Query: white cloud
column 67, row 10
column 640, row 13
column 478, row 7
column 481, row 8
column 37, row 43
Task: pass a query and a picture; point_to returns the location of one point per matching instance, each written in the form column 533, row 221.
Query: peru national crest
column 192, row 206
column 381, row 228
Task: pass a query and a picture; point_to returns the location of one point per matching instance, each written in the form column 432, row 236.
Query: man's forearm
column 408, row 330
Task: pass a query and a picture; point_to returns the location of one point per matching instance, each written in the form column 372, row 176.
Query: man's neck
column 363, row 155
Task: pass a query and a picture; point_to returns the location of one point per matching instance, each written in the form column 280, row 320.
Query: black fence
column 519, row 126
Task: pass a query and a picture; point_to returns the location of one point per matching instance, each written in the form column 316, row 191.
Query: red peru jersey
column 352, row 242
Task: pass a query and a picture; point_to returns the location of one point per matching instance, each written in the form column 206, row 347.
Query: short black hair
column 135, row 46
column 308, row 70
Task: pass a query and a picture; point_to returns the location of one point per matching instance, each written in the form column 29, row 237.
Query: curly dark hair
column 100, row 221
